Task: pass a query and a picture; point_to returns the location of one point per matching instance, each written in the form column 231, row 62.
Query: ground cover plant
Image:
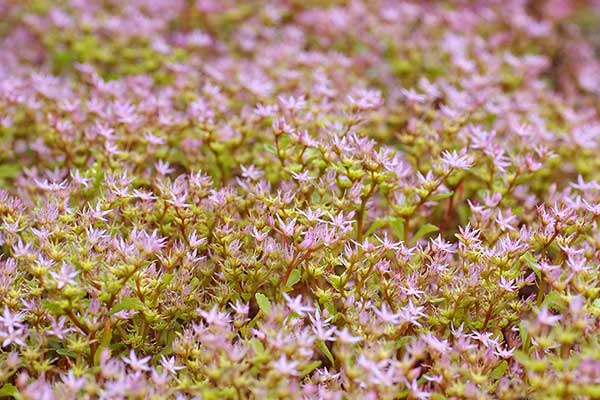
column 365, row 199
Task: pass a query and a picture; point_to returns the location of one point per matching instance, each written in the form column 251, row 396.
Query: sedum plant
column 299, row 199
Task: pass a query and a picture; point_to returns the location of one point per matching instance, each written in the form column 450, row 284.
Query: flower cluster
column 362, row 199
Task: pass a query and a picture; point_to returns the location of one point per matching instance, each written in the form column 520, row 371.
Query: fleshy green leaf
column 9, row 390
column 593, row 391
column 499, row 370
column 105, row 340
column 66, row 352
column 130, row 303
column 270, row 148
column 257, row 346
column 263, row 303
column 336, row 281
column 51, row 306
column 167, row 278
column 9, row 171
column 441, row 196
column 330, row 307
column 326, row 351
column 424, row 230
column 397, row 225
column 521, row 357
column 523, row 332
column 553, row 300
column 311, row 367
column 532, row 263
column 294, row 278
column 378, row 223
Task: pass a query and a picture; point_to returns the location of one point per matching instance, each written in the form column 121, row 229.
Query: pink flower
column 287, row 228
column 285, row 366
column 137, row 364
column 65, row 276
column 507, row 285
column 457, row 161
column 11, row 321
column 155, row 140
column 366, row 99
column 169, row 365
column 297, row 306
column 345, row 336
column 163, row 167
column 13, row 336
column 544, row 317
column 505, row 222
column 386, row 315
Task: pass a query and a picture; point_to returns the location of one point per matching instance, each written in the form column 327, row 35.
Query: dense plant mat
column 299, row 199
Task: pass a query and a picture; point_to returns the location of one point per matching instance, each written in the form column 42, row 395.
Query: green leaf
column 523, row 333
column 311, row 367
column 9, row 171
column 62, row 60
column 441, row 196
column 195, row 282
column 270, row 148
column 397, row 225
column 263, row 303
column 105, row 340
column 518, row 211
column 378, row 223
column 592, row 391
column 521, row 357
column 167, row 278
column 437, row 300
column 532, row 263
column 257, row 346
column 596, row 303
column 51, row 306
column 424, row 230
column 553, row 300
column 250, row 325
column 330, row 307
column 326, row 351
column 66, row 352
column 336, row 281
column 294, row 278
column 9, row 390
column 499, row 370
column 130, row 303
